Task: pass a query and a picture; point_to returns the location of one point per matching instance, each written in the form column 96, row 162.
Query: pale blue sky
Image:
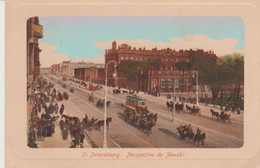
column 76, row 36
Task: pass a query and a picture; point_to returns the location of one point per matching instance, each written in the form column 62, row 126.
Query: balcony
column 37, row 31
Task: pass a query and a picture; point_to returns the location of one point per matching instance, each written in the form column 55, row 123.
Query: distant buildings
column 92, row 74
column 67, row 68
column 34, row 32
column 153, row 81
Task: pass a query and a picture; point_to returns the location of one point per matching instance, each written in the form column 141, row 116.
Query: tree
column 131, row 68
column 153, row 64
column 211, row 73
column 236, row 77
column 183, row 66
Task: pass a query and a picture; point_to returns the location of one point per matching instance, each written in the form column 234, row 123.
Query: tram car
column 137, row 113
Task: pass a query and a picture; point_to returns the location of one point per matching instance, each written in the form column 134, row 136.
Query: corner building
column 153, row 81
column 34, row 32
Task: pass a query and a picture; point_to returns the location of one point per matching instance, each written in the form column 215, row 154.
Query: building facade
column 150, row 80
column 34, row 32
column 66, row 68
column 91, row 74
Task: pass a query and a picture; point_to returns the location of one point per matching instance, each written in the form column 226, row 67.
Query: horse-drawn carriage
column 179, row 106
column 136, row 113
column 83, row 83
column 101, row 103
column 223, row 115
column 116, row 91
column 95, row 123
column 193, row 110
column 187, row 132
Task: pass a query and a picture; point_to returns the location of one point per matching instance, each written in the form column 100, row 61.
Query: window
column 143, row 103
column 170, row 83
column 166, row 68
column 122, row 58
column 163, row 83
column 131, row 58
column 177, row 83
column 166, row 59
column 126, row 58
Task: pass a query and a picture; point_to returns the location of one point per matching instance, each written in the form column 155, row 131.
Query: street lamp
column 197, row 85
column 105, row 115
column 173, row 112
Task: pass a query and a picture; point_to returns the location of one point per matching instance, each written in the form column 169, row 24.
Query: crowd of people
column 45, row 110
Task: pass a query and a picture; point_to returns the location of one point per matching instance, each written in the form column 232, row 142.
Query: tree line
column 226, row 71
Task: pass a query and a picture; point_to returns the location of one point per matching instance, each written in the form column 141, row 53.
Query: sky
column 88, row 37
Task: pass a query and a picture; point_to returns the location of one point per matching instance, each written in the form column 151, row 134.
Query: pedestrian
column 198, row 131
column 171, row 106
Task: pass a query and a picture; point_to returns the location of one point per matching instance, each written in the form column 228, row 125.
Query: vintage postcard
column 130, row 84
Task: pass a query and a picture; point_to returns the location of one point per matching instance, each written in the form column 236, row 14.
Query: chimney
column 114, row 45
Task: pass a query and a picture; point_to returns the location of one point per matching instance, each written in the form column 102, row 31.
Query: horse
column 116, row 91
column 188, row 108
column 125, row 92
column 200, row 137
column 169, row 105
column 76, row 119
column 88, row 124
column 214, row 113
column 101, row 123
column 146, row 126
column 179, row 107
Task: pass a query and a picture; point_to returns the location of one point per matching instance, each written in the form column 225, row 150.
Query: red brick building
column 150, row 81
column 92, row 74
column 34, row 32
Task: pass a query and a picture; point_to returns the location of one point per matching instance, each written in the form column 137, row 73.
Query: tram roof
column 135, row 97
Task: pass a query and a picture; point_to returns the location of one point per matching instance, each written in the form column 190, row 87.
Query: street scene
column 138, row 90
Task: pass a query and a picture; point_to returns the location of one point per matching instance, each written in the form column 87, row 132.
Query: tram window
column 143, row 103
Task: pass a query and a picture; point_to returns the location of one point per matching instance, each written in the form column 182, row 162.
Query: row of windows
column 170, row 83
column 132, row 58
column 141, row 59
column 135, row 102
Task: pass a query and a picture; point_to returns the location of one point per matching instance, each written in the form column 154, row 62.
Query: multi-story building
column 34, row 32
column 153, row 80
column 66, row 68
column 92, row 74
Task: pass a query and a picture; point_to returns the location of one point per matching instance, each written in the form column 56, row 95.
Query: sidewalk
column 56, row 140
